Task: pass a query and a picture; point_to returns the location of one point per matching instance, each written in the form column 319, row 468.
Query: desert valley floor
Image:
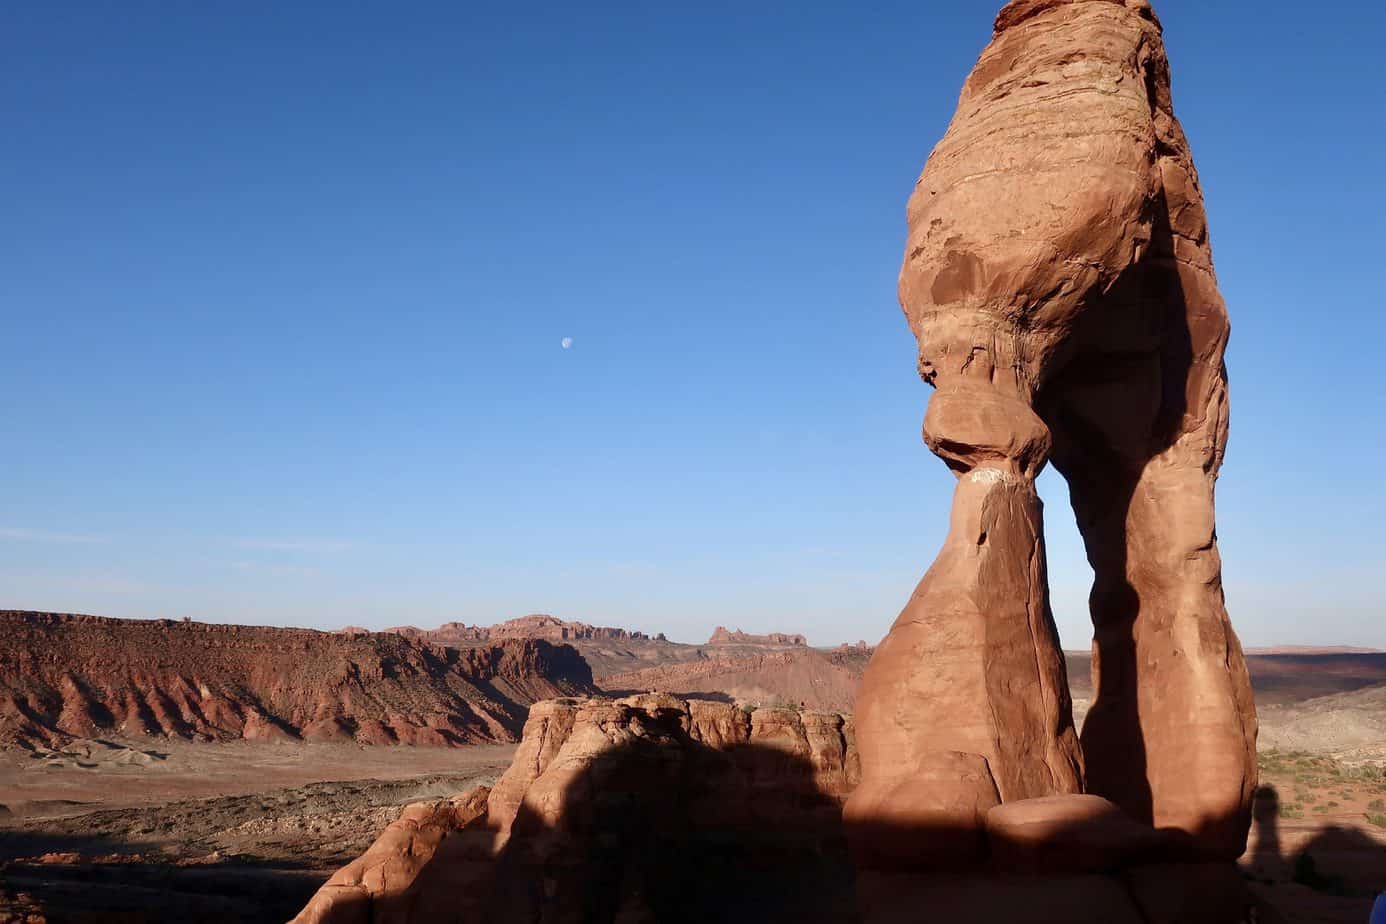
column 234, row 831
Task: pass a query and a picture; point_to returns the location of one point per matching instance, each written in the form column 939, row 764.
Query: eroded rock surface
column 64, row 677
column 549, row 628
column 724, row 636
column 653, row 808
column 1059, row 279
column 808, row 677
column 626, row 810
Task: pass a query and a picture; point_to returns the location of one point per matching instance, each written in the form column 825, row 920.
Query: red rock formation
column 549, row 628
column 65, row 676
column 1059, row 279
column 625, row 810
column 656, row 809
column 374, row 886
column 721, row 636
column 802, row 676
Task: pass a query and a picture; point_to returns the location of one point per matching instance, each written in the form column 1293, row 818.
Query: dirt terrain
column 1350, row 727
column 236, row 831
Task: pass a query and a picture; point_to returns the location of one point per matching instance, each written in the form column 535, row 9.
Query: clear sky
column 285, row 287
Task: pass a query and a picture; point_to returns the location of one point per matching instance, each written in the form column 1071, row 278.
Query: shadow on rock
column 648, row 809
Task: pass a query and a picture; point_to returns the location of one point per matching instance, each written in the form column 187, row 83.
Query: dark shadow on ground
column 1344, row 865
column 76, row 878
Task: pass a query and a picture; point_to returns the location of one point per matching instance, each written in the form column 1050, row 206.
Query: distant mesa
column 549, row 628
column 64, row 677
column 796, row 676
column 721, row 636
column 553, row 629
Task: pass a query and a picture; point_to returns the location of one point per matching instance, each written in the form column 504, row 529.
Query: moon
column 566, row 342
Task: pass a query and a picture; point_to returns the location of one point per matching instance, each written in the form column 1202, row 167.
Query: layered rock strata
column 724, row 636
column 807, row 677
column 64, row 677
column 549, row 628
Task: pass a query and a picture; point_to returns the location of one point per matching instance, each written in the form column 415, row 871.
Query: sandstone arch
column 1059, row 279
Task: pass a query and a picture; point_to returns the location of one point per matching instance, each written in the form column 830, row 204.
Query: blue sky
column 284, row 292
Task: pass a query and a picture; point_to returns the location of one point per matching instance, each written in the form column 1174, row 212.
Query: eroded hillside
column 65, row 676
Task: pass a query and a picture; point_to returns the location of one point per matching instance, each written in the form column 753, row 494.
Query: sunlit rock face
column 1059, row 279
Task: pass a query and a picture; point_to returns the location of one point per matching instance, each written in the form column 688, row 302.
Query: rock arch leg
column 989, row 719
column 1171, row 735
column 1138, row 411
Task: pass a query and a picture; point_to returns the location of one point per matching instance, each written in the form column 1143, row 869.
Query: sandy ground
column 116, row 773
column 236, row 832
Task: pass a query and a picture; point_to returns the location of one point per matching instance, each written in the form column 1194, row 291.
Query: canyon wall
column 68, row 676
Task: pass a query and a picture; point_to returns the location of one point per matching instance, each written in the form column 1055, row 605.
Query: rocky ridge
column 609, row 650
column 549, row 628
column 68, row 676
column 722, row 636
column 805, row 677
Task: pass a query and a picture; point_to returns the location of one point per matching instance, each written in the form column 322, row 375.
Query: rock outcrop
column 607, row 649
column 653, row 808
column 722, row 636
column 549, row 628
column 375, row 886
column 1060, row 283
column 616, row 654
column 65, row 677
column 805, row 677
column 642, row 809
